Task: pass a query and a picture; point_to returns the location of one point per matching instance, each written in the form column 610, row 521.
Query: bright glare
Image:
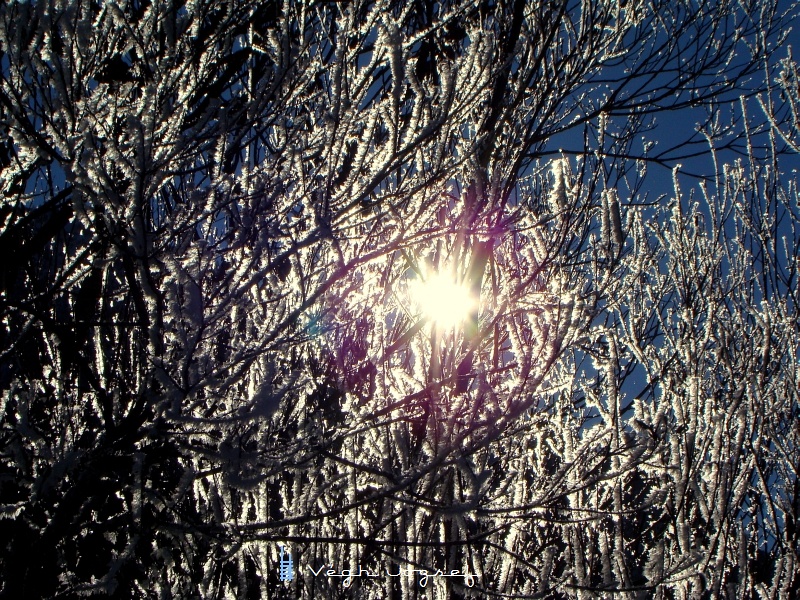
column 442, row 300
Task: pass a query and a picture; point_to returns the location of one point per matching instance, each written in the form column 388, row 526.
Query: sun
column 442, row 299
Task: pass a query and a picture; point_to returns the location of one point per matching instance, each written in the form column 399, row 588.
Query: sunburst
column 442, row 298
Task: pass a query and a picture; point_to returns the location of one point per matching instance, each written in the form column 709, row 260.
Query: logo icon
column 286, row 566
